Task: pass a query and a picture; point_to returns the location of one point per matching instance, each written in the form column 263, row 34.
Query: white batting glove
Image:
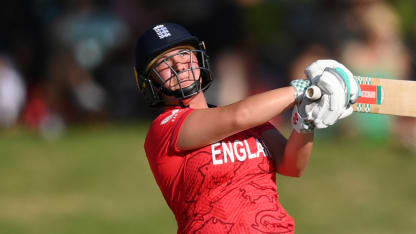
column 339, row 90
column 301, row 115
column 317, row 68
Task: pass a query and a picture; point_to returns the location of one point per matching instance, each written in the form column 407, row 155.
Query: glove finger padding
column 333, row 85
column 316, row 69
column 349, row 78
column 320, row 112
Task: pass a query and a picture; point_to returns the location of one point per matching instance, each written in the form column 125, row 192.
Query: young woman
column 216, row 166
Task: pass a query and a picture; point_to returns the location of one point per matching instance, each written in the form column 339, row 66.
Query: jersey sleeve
column 164, row 131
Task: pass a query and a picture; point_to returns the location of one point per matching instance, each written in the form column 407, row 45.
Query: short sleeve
column 164, row 131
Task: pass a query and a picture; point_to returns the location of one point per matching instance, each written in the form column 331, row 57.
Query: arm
column 291, row 156
column 206, row 126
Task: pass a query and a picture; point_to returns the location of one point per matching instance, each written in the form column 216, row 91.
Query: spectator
column 12, row 93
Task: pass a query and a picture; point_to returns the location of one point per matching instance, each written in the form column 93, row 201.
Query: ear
column 149, row 91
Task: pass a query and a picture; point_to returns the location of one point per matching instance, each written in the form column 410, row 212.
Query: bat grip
column 313, row 93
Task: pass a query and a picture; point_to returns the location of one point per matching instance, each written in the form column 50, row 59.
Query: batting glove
column 301, row 116
column 339, row 91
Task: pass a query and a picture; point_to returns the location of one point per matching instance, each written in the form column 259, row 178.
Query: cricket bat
column 381, row 96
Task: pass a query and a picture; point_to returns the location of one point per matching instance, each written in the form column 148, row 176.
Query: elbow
column 299, row 170
column 292, row 173
column 295, row 172
column 294, row 164
column 298, row 173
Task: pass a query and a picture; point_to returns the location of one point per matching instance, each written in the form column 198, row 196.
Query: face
column 177, row 69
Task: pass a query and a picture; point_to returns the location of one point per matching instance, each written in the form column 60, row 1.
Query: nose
column 180, row 66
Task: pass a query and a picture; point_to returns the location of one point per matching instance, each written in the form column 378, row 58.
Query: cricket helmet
column 155, row 42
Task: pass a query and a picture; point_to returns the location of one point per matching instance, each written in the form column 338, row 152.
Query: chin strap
column 182, row 104
column 183, row 92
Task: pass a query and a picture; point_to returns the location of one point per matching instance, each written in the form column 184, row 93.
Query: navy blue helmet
column 158, row 40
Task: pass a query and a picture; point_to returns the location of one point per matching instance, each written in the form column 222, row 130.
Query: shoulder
column 169, row 118
column 164, row 128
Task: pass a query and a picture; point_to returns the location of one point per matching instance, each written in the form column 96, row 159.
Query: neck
column 196, row 102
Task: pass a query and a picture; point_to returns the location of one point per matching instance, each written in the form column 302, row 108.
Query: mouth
column 184, row 79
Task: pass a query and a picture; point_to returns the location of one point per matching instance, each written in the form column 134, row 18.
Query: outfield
column 96, row 180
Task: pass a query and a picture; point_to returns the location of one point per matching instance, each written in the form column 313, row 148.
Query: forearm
column 296, row 155
column 260, row 108
column 225, row 121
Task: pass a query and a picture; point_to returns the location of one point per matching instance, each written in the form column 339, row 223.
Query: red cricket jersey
column 225, row 187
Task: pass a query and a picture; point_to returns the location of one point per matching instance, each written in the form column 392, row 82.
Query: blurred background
column 72, row 123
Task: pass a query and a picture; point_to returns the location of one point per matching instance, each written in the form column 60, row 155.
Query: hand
column 339, row 90
column 301, row 116
column 317, row 68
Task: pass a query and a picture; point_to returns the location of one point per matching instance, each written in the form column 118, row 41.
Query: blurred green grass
column 97, row 180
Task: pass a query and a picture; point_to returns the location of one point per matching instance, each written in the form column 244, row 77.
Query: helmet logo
column 162, row 31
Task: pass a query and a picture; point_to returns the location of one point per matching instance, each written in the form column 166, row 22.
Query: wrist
column 300, row 85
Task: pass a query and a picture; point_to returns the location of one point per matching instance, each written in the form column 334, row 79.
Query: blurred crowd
column 69, row 62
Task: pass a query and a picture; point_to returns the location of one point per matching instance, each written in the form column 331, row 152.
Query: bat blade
column 386, row 96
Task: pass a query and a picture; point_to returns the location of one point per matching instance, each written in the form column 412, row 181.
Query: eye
column 163, row 64
column 184, row 52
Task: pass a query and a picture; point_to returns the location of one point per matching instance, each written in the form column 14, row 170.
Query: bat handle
column 313, row 93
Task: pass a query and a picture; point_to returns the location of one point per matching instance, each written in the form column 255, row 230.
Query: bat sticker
column 371, row 94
